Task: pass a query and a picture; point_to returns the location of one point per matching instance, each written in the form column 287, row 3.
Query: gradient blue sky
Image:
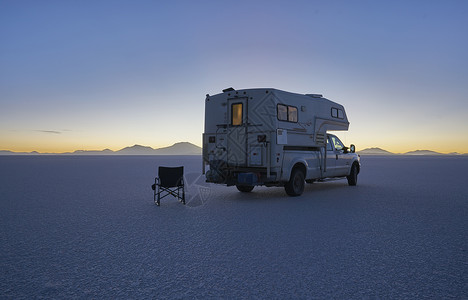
column 109, row 74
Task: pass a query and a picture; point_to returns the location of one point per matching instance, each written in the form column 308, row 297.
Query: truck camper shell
column 250, row 135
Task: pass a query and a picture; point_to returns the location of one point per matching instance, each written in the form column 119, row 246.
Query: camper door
column 237, row 132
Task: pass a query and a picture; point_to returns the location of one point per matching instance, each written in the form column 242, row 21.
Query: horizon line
column 108, row 151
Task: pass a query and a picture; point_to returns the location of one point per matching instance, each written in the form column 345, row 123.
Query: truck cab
column 339, row 157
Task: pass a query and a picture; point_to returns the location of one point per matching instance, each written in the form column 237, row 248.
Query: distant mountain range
column 182, row 148
column 379, row 151
column 185, row 148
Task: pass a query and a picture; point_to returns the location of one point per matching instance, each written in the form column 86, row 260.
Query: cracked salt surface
column 86, row 227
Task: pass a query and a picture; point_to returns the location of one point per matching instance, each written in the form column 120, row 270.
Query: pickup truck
column 275, row 138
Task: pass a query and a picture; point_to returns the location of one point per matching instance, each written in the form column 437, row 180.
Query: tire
column 295, row 185
column 352, row 177
column 245, row 188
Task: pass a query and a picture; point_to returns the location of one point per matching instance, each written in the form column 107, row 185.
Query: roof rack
column 314, row 95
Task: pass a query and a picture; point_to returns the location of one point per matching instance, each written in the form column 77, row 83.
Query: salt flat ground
column 86, row 227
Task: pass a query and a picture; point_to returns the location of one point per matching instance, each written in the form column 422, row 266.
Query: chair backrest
column 171, row 176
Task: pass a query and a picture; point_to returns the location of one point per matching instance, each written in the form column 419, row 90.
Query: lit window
column 337, row 143
column 236, row 110
column 292, row 114
column 282, row 112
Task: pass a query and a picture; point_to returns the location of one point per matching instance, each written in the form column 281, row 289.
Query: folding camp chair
column 170, row 181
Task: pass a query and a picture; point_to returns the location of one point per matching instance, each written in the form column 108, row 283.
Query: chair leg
column 183, row 195
column 154, row 196
column 156, row 191
column 158, row 203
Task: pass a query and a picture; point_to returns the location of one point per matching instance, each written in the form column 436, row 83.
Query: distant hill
column 91, row 152
column 423, row 152
column 182, row 148
column 8, row 152
column 136, row 150
column 379, row 151
column 375, row 151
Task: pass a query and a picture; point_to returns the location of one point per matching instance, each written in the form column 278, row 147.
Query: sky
column 109, row 74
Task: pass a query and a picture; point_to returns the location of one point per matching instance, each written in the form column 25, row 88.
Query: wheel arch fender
column 296, row 162
column 358, row 165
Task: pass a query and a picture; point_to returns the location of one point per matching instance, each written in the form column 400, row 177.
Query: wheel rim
column 297, row 183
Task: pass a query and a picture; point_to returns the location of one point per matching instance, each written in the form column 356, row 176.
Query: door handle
column 336, row 156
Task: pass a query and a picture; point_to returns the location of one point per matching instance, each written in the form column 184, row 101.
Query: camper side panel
column 313, row 118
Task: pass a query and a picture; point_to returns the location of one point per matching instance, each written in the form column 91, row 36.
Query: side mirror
column 352, row 148
column 345, row 150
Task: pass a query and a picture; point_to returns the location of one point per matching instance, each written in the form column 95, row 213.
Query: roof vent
column 314, row 95
column 230, row 89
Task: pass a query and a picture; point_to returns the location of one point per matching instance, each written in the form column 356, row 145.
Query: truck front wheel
column 295, row 185
column 352, row 177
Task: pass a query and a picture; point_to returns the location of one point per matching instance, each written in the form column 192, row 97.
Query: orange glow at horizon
column 46, row 145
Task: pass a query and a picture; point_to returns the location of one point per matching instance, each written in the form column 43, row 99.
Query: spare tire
column 245, row 188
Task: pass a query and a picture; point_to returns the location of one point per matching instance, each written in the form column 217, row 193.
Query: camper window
column 337, row 113
column 340, row 114
column 236, row 114
column 292, row 114
column 282, row 112
column 334, row 112
column 287, row 113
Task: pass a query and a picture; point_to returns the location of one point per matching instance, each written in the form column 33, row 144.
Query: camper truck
column 265, row 136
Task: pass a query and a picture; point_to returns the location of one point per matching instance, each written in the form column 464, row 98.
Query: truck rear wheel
column 352, row 177
column 245, row 188
column 295, row 185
